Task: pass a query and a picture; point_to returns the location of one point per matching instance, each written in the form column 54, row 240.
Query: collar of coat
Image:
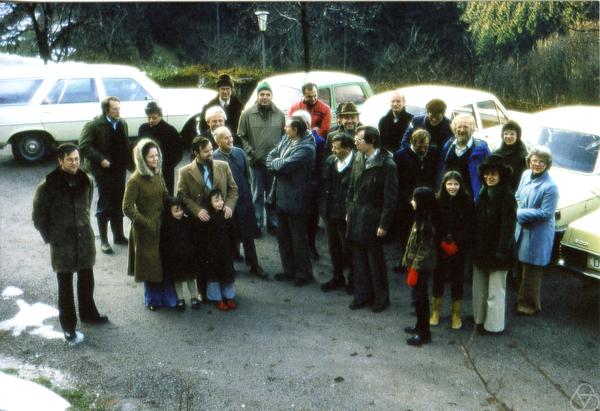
column 378, row 160
column 58, row 180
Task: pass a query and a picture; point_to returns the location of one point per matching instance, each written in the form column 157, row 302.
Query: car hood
column 575, row 188
column 584, row 234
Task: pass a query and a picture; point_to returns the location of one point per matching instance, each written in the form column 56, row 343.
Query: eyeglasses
column 538, row 162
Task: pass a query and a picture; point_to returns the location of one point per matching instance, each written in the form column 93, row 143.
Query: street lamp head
column 262, row 19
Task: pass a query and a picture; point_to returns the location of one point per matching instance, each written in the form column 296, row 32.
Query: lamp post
column 262, row 16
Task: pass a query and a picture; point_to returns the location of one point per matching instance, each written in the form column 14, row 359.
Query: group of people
column 423, row 183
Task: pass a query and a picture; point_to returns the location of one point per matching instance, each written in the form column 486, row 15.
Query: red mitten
column 412, row 277
column 449, row 248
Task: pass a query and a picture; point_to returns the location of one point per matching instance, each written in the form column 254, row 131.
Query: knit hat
column 263, row 86
column 224, row 81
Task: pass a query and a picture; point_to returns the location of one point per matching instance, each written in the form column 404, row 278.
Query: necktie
column 206, row 176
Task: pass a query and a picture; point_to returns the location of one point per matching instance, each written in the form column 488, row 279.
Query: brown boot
column 456, row 310
column 436, row 308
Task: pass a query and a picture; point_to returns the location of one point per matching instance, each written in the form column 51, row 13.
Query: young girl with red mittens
column 455, row 231
column 420, row 259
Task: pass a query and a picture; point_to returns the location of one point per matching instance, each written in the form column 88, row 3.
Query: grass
column 80, row 399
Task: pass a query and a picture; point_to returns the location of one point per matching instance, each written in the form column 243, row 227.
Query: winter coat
column 372, row 198
column 192, row 189
column 218, row 252
column 96, row 145
column 292, row 164
column 392, row 132
column 260, row 133
column 61, row 213
column 334, row 189
column 456, row 220
column 421, row 248
column 440, row 134
column 478, row 153
column 177, row 251
column 537, row 200
column 168, row 139
column 494, row 235
column 143, row 203
column 515, row 157
column 415, row 172
column 244, row 214
column 320, row 115
column 233, row 112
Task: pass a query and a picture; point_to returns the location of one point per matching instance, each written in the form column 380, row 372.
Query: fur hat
column 263, row 86
column 348, row 109
column 224, row 81
column 495, row 161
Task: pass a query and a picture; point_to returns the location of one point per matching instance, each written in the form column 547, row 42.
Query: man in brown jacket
column 197, row 179
column 61, row 213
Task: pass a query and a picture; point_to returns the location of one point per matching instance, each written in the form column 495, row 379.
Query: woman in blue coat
column 537, row 197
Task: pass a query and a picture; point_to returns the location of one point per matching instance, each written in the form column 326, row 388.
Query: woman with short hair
column 537, row 198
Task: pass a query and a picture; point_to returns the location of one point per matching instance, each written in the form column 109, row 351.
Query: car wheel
column 31, row 147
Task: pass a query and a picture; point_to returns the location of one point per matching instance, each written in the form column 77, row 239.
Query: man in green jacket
column 104, row 145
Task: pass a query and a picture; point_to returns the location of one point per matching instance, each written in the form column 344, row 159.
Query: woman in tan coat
column 145, row 196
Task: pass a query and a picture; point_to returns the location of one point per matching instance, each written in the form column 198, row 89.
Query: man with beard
column 348, row 121
column 320, row 113
column 393, row 125
column 260, row 129
column 464, row 153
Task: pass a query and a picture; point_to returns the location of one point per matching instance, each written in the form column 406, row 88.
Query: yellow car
column 580, row 246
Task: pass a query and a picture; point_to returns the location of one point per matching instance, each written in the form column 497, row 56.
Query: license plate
column 593, row 262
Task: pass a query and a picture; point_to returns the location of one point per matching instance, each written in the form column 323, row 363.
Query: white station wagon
column 488, row 111
column 42, row 105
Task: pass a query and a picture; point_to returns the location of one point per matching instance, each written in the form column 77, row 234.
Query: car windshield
column 284, row 97
column 570, row 149
column 18, row 91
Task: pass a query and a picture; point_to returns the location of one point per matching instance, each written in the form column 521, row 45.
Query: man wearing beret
column 260, row 129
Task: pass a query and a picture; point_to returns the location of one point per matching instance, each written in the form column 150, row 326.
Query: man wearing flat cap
column 230, row 103
column 260, row 129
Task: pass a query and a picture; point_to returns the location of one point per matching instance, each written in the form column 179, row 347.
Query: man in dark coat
column 104, row 145
column 292, row 163
column 435, row 122
column 393, row 125
column 244, row 217
column 216, row 117
column 229, row 102
column 332, row 208
column 371, row 206
column 167, row 138
column 61, row 213
column 417, row 166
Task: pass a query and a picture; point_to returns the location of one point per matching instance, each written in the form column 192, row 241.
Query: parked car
column 580, row 246
column 42, row 105
column 573, row 136
column 488, row 111
column 334, row 88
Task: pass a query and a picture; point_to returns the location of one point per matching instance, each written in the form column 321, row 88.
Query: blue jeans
column 218, row 291
column 262, row 181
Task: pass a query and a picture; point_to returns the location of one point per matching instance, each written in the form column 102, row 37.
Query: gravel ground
column 290, row 348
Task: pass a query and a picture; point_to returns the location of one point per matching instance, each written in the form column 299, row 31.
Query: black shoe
column 377, row 308
column 180, row 306
column 283, row 277
column 106, row 248
column 70, row 336
column 195, row 303
column 152, row 307
column 483, row 332
column 259, row 272
column 411, row 330
column 301, row 282
column 355, row 305
column 418, row 340
column 100, row 319
column 120, row 240
column 332, row 285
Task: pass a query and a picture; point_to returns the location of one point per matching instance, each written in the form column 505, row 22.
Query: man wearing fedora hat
column 348, row 121
column 230, row 103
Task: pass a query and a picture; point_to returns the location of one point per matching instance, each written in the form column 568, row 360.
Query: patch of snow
column 28, row 316
column 78, row 339
column 21, row 395
column 11, row 291
column 47, row 332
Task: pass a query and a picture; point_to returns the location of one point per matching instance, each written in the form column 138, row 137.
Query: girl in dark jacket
column 177, row 251
column 420, row 259
column 454, row 228
column 220, row 273
column 494, row 245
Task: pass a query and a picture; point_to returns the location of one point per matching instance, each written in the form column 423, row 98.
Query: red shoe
column 231, row 304
column 221, row 306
